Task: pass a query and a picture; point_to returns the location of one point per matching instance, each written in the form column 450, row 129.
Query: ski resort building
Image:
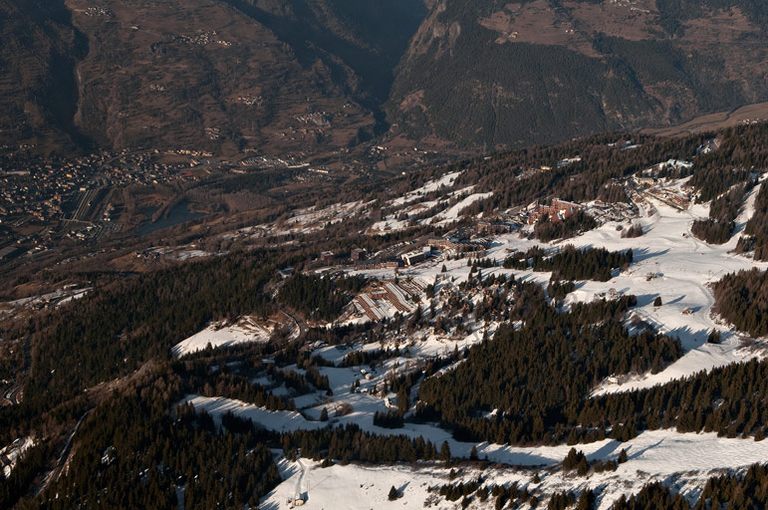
column 414, row 257
column 558, row 210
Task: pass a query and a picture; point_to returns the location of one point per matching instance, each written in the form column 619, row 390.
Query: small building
column 357, row 255
column 415, row 257
column 326, row 257
column 286, row 272
column 445, row 245
column 646, row 181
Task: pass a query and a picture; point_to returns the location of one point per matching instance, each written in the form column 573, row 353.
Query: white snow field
column 279, row 421
column 445, row 181
column 664, row 456
column 414, row 203
column 246, row 329
column 451, row 214
column 682, row 267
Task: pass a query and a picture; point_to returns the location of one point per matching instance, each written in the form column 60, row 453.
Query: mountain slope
column 215, row 75
column 38, row 92
column 319, row 76
column 499, row 74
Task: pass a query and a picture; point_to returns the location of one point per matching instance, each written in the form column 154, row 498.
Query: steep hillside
column 215, row 75
column 221, row 76
column 494, row 73
column 319, row 76
column 37, row 81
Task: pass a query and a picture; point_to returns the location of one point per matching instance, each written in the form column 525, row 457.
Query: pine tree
column 445, row 452
column 586, row 500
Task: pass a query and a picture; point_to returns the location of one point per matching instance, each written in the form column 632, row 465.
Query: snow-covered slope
column 246, row 329
column 663, row 455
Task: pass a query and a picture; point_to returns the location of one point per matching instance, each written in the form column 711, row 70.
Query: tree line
column 755, row 236
column 320, row 297
column 742, row 299
column 571, row 263
column 720, row 226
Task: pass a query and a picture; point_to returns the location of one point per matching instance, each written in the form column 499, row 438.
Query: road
column 13, row 395
column 61, row 463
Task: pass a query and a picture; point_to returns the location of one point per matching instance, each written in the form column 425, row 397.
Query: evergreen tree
column 445, row 452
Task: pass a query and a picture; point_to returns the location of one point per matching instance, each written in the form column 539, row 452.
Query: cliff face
column 497, row 74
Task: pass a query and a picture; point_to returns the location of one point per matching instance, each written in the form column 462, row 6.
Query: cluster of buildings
column 42, row 188
column 382, row 299
column 617, row 211
column 414, row 257
column 679, row 198
column 558, row 210
column 43, row 199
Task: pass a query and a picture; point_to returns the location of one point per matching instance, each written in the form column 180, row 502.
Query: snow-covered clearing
column 664, row 455
column 333, row 214
column 303, row 221
column 445, row 181
column 245, row 330
column 10, row 454
column 279, row 421
column 402, row 219
column 452, row 213
column 672, row 264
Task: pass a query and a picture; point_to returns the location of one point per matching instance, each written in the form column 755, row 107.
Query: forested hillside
column 548, row 327
column 552, row 70
column 220, row 76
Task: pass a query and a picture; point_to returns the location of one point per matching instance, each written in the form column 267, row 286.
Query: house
column 442, row 244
